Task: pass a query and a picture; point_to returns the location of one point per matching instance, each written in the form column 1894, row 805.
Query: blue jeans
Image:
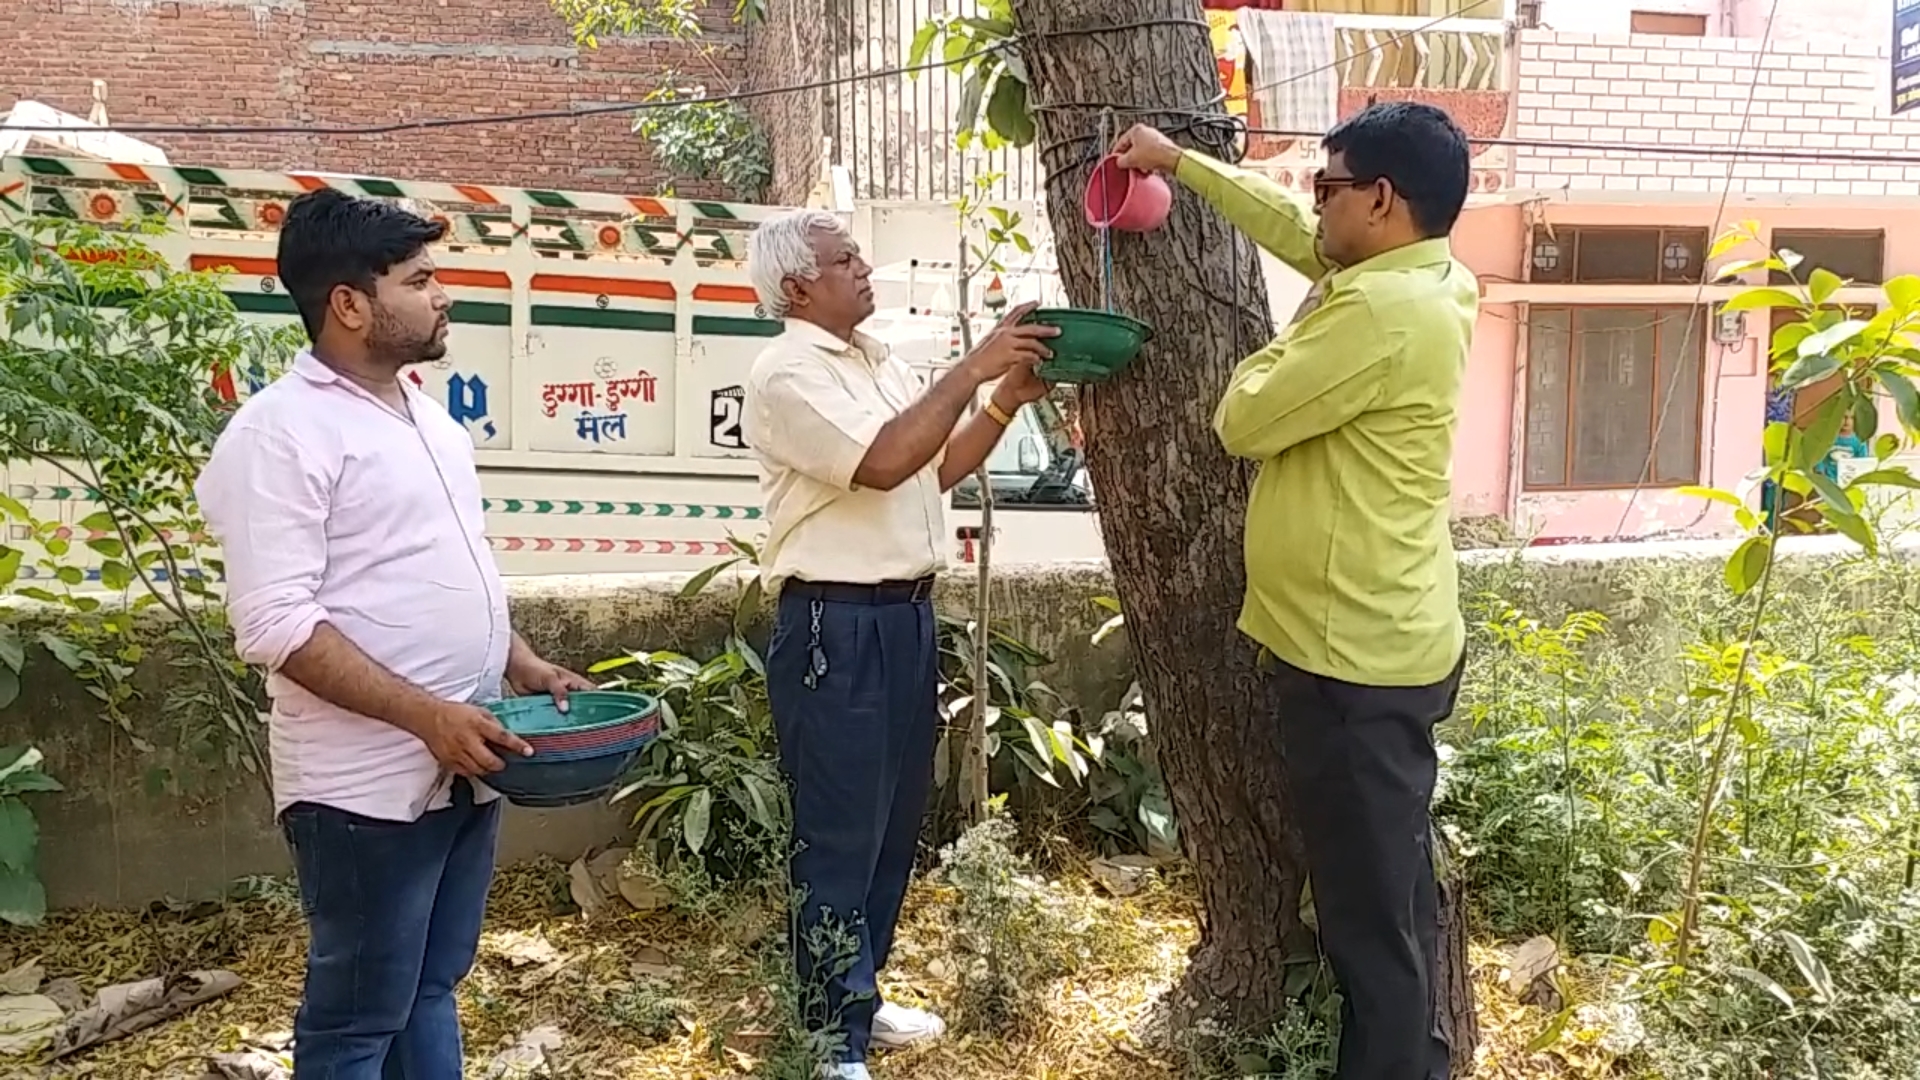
column 393, row 913
column 856, row 744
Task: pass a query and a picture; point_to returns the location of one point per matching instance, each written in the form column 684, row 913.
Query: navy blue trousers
column 854, row 690
column 393, row 913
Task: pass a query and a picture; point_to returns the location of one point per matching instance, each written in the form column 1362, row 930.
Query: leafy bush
column 710, row 793
column 23, row 901
column 719, row 141
column 1011, row 936
column 108, row 360
column 1574, row 769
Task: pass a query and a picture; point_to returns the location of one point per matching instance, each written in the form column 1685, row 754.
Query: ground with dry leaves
column 677, row 996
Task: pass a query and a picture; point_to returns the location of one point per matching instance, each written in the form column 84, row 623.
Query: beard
column 393, row 342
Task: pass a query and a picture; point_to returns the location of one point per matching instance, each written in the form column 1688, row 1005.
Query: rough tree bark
column 1173, row 505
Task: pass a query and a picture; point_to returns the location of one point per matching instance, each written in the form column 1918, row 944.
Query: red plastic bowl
column 1119, row 198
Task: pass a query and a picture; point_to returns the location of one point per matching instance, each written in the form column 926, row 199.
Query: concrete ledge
column 181, row 820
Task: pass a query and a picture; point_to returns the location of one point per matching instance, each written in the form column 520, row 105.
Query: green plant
column 647, row 1009
column 1864, row 358
column 983, row 47
column 1128, row 795
column 717, row 141
column 1011, row 936
column 710, row 791
column 1802, row 951
column 1545, row 721
column 23, row 900
column 106, row 386
column 1045, row 741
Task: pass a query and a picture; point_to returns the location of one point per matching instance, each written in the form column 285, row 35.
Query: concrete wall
column 173, row 821
column 178, row 820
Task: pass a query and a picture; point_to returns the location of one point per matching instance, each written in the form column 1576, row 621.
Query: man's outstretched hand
column 1145, row 149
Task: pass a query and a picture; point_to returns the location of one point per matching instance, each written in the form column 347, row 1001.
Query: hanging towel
column 1296, row 86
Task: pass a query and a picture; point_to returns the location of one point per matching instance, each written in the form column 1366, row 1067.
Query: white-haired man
column 855, row 452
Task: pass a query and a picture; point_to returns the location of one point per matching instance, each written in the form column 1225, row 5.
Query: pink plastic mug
column 1119, row 198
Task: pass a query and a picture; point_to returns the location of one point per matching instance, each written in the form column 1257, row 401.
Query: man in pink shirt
column 358, row 574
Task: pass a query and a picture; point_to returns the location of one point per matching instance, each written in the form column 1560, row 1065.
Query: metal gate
column 894, row 133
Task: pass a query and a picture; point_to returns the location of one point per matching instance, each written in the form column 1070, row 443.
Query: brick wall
column 305, row 63
column 1692, row 92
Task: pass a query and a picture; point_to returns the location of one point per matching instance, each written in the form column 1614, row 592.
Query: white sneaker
column 845, row 1071
column 896, row 1027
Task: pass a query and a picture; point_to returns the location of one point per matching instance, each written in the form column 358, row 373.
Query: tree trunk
column 1172, row 504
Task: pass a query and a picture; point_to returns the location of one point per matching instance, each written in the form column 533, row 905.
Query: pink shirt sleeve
column 266, row 500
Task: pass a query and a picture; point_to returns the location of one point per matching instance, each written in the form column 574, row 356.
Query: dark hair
column 331, row 239
column 1418, row 149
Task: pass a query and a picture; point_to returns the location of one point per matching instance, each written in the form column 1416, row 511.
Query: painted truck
column 597, row 356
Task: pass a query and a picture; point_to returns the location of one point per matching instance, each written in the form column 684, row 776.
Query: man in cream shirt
column 856, row 452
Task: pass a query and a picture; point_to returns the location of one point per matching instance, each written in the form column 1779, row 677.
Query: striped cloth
column 1297, row 87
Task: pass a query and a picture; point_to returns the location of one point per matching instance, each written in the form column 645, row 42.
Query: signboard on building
column 1906, row 56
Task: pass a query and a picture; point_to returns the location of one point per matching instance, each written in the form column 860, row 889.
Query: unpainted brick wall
column 1812, row 95
column 307, row 64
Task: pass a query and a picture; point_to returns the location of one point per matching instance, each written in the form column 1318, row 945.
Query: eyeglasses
column 1324, row 186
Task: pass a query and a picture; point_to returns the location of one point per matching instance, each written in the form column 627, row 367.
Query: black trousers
column 1362, row 766
column 852, row 678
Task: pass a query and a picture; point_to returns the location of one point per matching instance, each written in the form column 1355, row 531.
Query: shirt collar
column 862, row 347
column 314, row 370
column 1419, row 253
column 308, row 366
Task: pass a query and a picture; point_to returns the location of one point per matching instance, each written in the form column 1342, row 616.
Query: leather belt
column 886, row 592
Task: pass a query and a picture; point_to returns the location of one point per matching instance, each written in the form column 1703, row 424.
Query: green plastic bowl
column 587, row 710
column 1092, row 346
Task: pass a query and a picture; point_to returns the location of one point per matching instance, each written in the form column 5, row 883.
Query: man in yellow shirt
column 1351, row 584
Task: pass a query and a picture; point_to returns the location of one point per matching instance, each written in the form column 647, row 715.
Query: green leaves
column 698, row 820
column 1906, row 400
column 1903, row 292
column 1808, row 369
column 1007, row 110
column 1758, row 299
column 1822, row 284
column 1748, row 563
column 994, row 90
column 1819, row 980
column 22, row 900
column 717, row 141
column 699, row 582
column 1832, row 339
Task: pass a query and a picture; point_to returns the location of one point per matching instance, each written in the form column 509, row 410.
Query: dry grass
column 704, row 979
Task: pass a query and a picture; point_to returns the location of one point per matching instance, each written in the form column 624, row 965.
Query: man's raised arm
column 1273, row 217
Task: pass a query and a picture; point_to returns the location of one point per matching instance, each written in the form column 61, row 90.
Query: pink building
column 1603, row 377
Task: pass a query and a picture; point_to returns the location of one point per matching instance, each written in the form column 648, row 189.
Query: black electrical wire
column 1222, row 133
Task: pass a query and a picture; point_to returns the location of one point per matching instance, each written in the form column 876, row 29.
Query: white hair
column 782, row 248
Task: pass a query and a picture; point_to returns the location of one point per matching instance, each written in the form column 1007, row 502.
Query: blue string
column 1106, row 277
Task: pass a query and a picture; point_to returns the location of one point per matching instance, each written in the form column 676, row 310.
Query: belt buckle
column 922, row 590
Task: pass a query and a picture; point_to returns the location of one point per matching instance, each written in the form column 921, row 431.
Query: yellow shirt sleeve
column 1273, row 217
column 1322, row 374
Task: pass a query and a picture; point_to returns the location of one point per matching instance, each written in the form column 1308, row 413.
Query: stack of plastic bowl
column 578, row 755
